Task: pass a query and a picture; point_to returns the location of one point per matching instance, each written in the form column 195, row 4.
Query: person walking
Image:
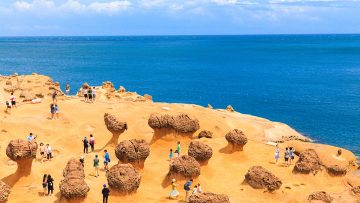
column 105, row 192
column 42, row 151
column 106, row 160
column 277, row 154
column 286, row 156
column 178, row 148
column 291, row 155
column 92, row 142
column 86, row 145
column 52, row 111
column 171, row 155
column 8, row 107
column 30, row 137
column 48, row 152
column 54, row 96
column 96, row 165
column 90, row 95
column 187, row 188
column 199, row 188
column 50, row 185
column 57, row 111
column 13, row 99
column 174, row 192
column 44, row 184
column 94, row 94
column 85, row 92
column 67, row 89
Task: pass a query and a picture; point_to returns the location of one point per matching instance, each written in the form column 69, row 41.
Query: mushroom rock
column 132, row 151
column 184, row 166
column 113, row 124
column 208, row 197
column 336, row 170
column 237, row 139
column 308, row 162
column 74, row 166
column 229, row 108
column 206, row 134
column 258, row 177
column 356, row 191
column 4, row 191
column 148, row 97
column 22, row 152
column 200, row 151
column 181, row 123
column 124, row 178
column 320, row 196
column 122, row 89
column 73, row 188
column 108, row 86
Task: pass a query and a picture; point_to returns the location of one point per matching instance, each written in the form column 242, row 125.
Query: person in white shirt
column 93, row 93
column 48, row 152
column 13, row 99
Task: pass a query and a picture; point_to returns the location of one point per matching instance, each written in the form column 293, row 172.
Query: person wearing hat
column 105, row 192
column 174, row 193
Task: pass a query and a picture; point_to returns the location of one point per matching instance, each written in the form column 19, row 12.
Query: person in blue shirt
column 106, row 160
column 187, row 188
column 30, row 138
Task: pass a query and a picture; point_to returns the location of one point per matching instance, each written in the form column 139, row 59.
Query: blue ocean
column 311, row 82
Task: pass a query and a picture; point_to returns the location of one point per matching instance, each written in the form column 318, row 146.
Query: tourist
column 92, row 142
column 171, row 155
column 67, row 89
column 82, row 161
column 30, row 137
column 94, row 93
column 178, row 148
column 176, row 154
column 8, row 107
column 86, row 145
column 174, row 193
column 57, row 111
column 105, row 192
column 199, row 188
column 187, row 188
column 85, row 91
column 54, row 96
column 106, row 160
column 52, row 111
column 96, row 165
column 286, row 156
column 195, row 190
column 291, row 154
column 277, row 154
column 48, row 152
column 42, row 151
column 13, row 99
column 50, row 185
column 90, row 95
column 44, row 184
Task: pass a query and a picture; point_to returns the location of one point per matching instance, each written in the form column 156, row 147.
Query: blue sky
column 176, row 17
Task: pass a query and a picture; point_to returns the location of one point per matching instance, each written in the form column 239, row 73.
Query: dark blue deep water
column 311, row 82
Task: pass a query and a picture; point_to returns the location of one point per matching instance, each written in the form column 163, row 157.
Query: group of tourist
column 177, row 152
column 45, row 152
column 187, row 187
column 289, row 155
column 89, row 94
column 48, row 184
column 10, row 103
column 96, row 163
column 87, row 142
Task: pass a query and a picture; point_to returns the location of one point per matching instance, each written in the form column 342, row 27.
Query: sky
column 177, row 17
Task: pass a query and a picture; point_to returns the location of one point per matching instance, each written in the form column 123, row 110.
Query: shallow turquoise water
column 311, row 82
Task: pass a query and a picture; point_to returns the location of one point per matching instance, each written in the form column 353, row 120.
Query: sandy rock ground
column 223, row 174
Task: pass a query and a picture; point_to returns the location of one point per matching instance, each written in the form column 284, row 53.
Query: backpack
column 187, row 186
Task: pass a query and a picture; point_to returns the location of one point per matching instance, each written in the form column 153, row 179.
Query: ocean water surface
column 311, row 82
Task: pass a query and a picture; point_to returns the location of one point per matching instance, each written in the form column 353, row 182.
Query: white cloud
column 111, row 7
